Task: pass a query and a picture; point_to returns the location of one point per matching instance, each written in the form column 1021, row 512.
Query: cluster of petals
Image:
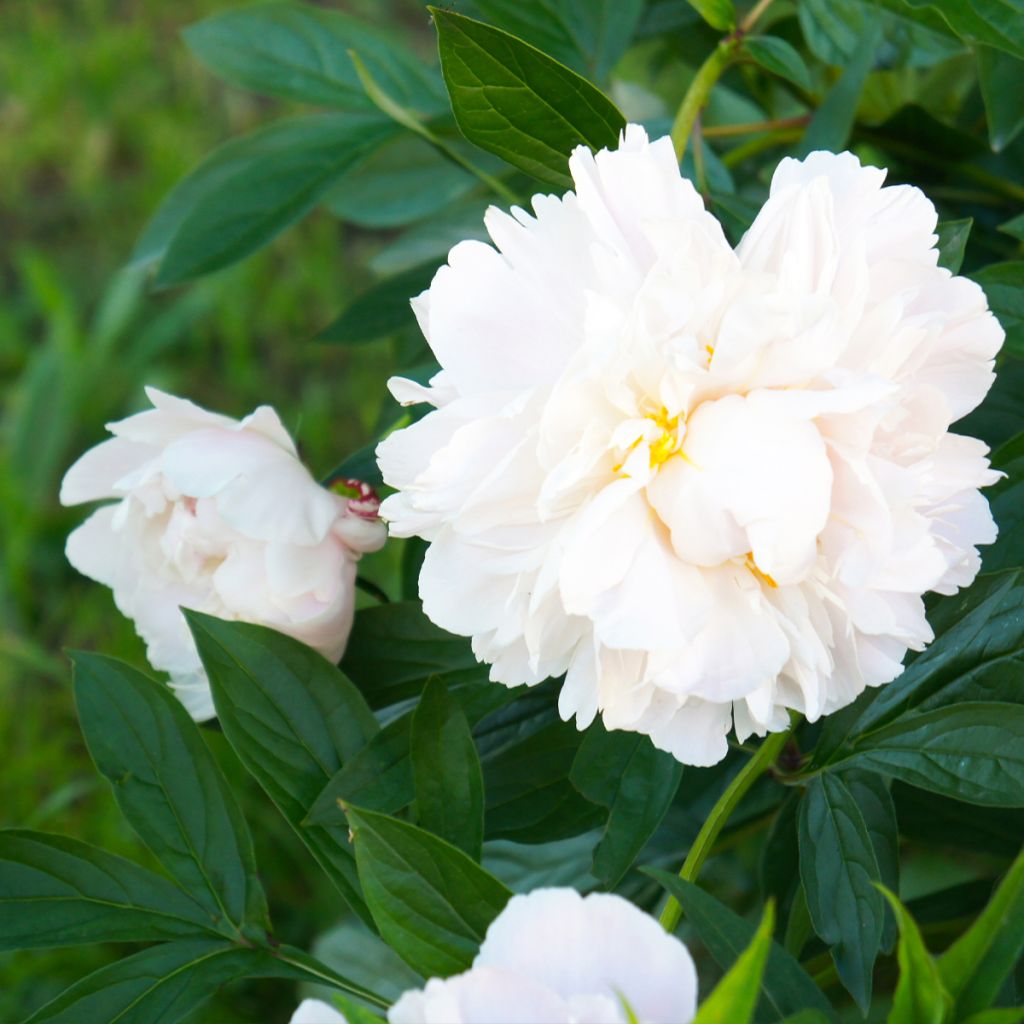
column 220, row 516
column 555, row 957
column 708, row 485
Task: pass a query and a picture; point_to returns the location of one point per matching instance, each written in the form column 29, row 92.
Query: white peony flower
column 315, row 1011
column 555, row 957
column 219, row 516
column 708, row 485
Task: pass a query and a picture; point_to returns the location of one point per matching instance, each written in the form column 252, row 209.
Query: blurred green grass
column 102, row 109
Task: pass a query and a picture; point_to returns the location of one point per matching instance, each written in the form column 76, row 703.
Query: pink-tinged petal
column 97, row 473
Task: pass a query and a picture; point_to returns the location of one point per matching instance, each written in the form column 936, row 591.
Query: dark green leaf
column 977, row 655
column 624, row 772
column 778, row 57
column 529, row 795
column 1004, row 286
column 446, row 771
column 871, row 795
column 920, row 997
column 251, row 189
column 516, row 102
column 975, row 966
column 402, row 181
column 162, row 983
column 61, row 892
column 998, row 23
column 394, row 648
column 940, row 821
column 381, row 310
column 973, row 752
column 952, row 241
column 786, row 986
column 832, row 122
column 300, row 52
column 360, row 465
column 380, row 776
column 1002, row 84
column 1006, row 499
column 779, row 869
column 432, row 903
column 999, row 417
column 293, row 719
column 588, row 35
column 735, row 997
column 169, row 788
column 839, row 871
column 1014, row 227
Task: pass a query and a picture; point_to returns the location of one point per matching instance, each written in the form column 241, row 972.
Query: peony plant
column 703, row 451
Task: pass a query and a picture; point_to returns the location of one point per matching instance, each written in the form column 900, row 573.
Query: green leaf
column 871, row 795
column 778, row 57
column 735, row 997
column 786, row 987
column 941, row 821
column 170, row 789
column 587, row 35
column 974, row 967
column 529, row 795
column 432, row 903
column 1004, row 287
column 1014, row 227
column 516, row 102
column 952, row 242
column 162, row 983
column 446, row 771
column 998, row 23
column 300, row 52
column 293, row 719
column 624, row 772
column 394, row 649
column 1002, row 84
column 920, row 997
column 977, row 655
column 400, row 182
column 1000, row 1015
column 779, row 868
column 832, row 122
column 973, row 752
column 381, row 310
column 61, row 892
column 839, row 871
column 719, row 14
column 1006, row 500
column 380, row 776
column 252, row 188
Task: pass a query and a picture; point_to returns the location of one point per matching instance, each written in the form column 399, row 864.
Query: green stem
column 715, row 821
column 697, row 95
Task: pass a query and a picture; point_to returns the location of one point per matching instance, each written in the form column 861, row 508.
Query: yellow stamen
column 762, row 576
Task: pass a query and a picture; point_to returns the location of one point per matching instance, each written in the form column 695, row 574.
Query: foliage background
column 102, row 110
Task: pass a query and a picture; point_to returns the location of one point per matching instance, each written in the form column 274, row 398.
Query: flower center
column 662, row 446
column 668, row 444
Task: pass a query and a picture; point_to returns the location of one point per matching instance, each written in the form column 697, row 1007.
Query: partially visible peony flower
column 555, row 957
column 220, row 516
column 708, row 485
column 315, row 1011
